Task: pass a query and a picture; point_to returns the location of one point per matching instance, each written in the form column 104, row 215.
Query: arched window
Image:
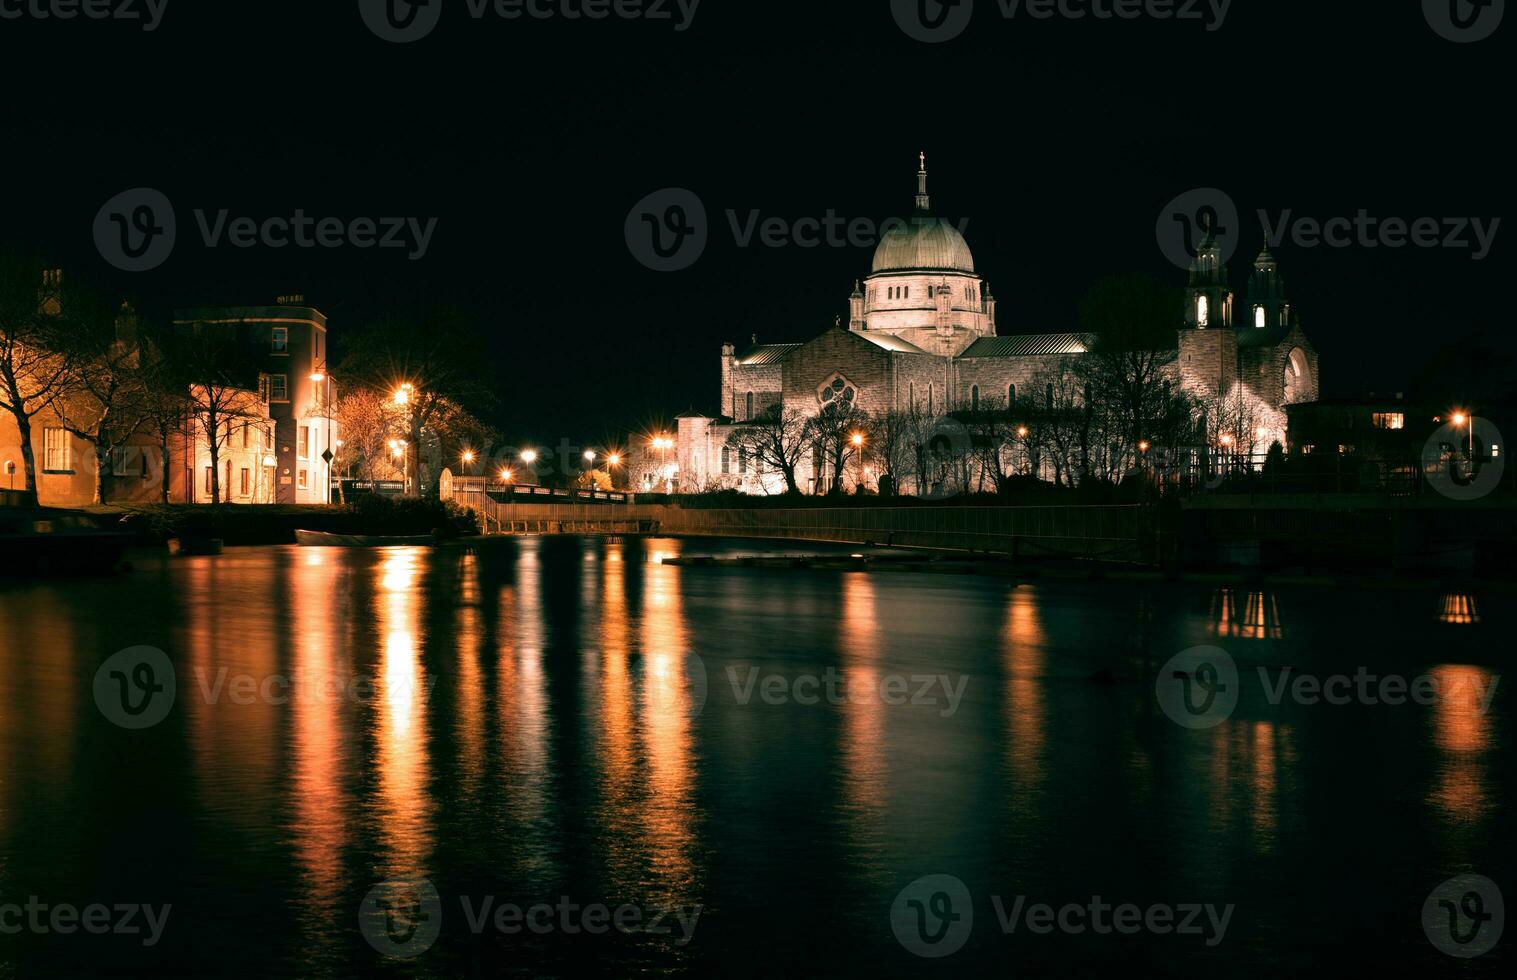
column 911, row 394
column 742, row 459
column 974, row 398
column 1259, row 316
column 749, row 414
column 930, row 409
column 1011, row 396
column 726, row 460
column 1203, row 311
column 1049, row 393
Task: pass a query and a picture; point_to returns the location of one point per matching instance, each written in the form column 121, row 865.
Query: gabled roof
column 889, row 341
column 765, row 354
column 1028, row 345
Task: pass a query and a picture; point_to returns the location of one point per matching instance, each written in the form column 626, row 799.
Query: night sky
column 1060, row 141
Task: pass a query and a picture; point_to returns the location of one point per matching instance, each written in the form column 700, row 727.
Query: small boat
column 324, row 539
column 40, row 541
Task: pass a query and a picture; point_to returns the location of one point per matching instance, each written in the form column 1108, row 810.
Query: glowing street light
column 1227, row 440
column 589, row 455
column 1021, row 432
column 403, row 394
column 505, row 476
column 1144, row 446
column 614, row 460
column 857, row 439
column 529, row 456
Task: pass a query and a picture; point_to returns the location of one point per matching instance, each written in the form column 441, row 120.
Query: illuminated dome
column 923, row 243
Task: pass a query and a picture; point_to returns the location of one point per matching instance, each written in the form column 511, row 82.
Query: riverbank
column 277, row 524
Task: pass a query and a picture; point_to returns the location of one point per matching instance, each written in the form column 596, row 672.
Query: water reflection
column 1459, row 610
column 1024, row 649
column 864, row 715
column 1246, row 615
column 1462, row 736
column 401, row 767
column 525, row 724
column 319, row 753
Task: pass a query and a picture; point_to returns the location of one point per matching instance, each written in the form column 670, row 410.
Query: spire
column 924, row 203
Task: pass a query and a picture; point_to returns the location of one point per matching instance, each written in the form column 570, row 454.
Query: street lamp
column 857, row 439
column 529, row 456
column 320, row 377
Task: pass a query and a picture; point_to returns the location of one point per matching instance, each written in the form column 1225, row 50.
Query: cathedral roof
column 889, row 341
column 1028, row 345
column 923, row 244
column 765, row 353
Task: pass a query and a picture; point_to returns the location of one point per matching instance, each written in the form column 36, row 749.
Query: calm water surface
column 563, row 719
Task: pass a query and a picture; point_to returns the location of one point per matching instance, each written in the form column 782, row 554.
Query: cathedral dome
column 924, row 243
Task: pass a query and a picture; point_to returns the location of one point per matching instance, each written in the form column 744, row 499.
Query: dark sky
column 1060, row 141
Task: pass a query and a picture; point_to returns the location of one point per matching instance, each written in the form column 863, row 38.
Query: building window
column 929, row 398
column 726, row 460
column 1389, row 420
column 247, row 482
column 749, row 414
column 305, row 442
column 1259, row 316
column 209, row 476
column 280, row 342
column 57, row 454
column 974, row 398
column 742, row 460
column 1203, row 311
column 279, row 387
column 1011, row 396
column 302, row 482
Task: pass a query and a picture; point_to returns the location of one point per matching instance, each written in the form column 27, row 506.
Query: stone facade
column 922, row 331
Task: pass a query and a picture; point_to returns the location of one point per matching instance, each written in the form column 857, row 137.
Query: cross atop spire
column 924, row 203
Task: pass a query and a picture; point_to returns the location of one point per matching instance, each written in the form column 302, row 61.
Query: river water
column 548, row 755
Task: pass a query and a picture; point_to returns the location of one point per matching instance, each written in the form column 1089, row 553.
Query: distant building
column 924, row 332
column 289, row 341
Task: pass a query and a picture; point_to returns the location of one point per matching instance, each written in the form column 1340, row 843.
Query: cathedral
column 922, row 333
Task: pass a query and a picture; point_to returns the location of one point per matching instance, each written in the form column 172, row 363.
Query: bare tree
column 36, row 361
column 438, row 361
column 368, row 421
column 893, row 438
column 222, row 391
column 839, row 432
column 108, row 398
column 777, row 440
column 1062, row 425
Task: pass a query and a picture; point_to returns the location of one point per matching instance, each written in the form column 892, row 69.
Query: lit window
column 305, row 442
column 279, row 387
column 1389, row 420
column 1203, row 311
column 1259, row 316
column 302, row 479
column 280, row 342
column 57, row 454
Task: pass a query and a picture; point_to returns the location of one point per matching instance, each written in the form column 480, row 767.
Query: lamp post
column 528, row 457
column 404, row 395
column 857, row 440
column 663, row 444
